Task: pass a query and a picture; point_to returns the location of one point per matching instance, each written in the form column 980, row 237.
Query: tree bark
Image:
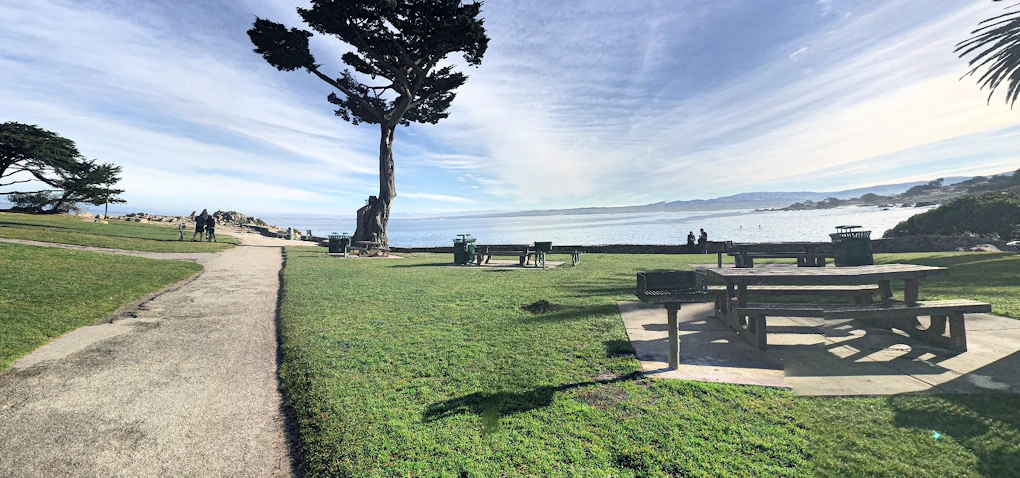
column 374, row 217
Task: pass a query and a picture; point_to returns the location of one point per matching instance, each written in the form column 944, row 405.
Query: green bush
column 992, row 215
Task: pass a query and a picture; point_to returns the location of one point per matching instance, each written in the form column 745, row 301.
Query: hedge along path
column 185, row 386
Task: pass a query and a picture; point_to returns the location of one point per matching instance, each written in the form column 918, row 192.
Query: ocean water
column 624, row 228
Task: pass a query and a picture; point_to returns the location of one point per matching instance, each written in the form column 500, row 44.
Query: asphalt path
column 183, row 385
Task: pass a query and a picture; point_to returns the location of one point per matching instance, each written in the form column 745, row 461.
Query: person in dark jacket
column 210, row 229
column 199, row 225
column 690, row 242
column 703, row 242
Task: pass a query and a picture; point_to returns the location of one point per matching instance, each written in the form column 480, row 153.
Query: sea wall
column 932, row 243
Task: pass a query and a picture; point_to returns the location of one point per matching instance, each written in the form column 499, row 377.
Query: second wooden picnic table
column 750, row 319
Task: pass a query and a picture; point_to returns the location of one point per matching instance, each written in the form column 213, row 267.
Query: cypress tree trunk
column 374, row 216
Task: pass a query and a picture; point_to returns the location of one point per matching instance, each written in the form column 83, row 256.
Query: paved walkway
column 827, row 357
column 187, row 387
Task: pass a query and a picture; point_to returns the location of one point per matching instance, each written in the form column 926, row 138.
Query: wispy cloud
column 437, row 197
column 598, row 103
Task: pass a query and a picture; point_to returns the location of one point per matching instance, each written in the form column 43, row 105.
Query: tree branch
column 18, row 182
column 399, row 75
column 347, row 92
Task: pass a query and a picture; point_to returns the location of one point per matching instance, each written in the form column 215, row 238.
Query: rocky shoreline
column 226, row 218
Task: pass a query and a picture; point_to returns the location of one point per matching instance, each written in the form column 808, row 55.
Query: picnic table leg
column 885, row 291
column 673, row 337
column 910, row 291
column 730, row 294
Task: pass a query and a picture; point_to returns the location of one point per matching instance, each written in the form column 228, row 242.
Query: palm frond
column 995, row 45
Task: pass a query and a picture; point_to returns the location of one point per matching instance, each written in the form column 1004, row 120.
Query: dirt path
column 187, row 387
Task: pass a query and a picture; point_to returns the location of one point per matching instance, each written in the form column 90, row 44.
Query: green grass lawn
column 66, row 229
column 406, row 367
column 46, row 292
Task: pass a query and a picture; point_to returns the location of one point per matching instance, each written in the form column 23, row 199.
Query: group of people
column 205, row 224
column 702, row 245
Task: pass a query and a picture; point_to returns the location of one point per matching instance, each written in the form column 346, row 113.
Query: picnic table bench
column 526, row 253
column 859, row 294
column 574, row 251
column 371, row 248
column 899, row 316
column 808, row 254
column 750, row 319
column 483, row 254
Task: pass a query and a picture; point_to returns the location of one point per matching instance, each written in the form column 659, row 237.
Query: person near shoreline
column 199, row 225
column 210, row 229
column 690, row 242
column 703, row 242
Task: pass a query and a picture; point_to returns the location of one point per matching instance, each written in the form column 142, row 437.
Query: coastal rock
column 979, row 248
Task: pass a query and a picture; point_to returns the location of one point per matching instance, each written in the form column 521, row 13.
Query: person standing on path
column 210, row 229
column 690, row 242
column 199, row 225
column 703, row 242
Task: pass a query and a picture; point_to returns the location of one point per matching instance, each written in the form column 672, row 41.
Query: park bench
column 483, row 254
column 573, row 251
column 897, row 315
column 370, row 248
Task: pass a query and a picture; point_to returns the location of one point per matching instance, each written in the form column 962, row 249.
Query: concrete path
column 187, row 387
column 829, row 358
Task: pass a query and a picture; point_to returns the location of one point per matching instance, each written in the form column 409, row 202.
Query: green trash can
column 851, row 247
column 463, row 249
column 339, row 243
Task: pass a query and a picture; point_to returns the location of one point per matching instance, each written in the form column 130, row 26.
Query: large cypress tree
column 396, row 77
column 29, row 153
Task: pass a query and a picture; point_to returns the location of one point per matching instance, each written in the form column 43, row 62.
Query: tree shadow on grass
column 31, row 226
column 493, row 406
column 428, row 264
column 619, row 348
column 571, row 313
column 975, row 422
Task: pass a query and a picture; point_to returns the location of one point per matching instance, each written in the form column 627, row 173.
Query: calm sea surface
column 630, row 228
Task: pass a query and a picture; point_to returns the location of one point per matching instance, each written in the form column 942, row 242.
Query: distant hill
column 749, row 200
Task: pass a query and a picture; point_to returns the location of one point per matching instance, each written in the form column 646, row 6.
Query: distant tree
column 400, row 41
column 86, row 182
column 29, row 153
column 924, row 188
column 996, row 45
column 872, row 197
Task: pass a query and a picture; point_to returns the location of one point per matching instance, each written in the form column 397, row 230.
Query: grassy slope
column 46, row 292
column 134, row 236
column 408, row 368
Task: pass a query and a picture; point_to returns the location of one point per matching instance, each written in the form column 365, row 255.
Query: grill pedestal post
column 673, row 336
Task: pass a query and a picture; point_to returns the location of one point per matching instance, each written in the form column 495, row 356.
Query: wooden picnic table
column 808, row 254
column 750, row 319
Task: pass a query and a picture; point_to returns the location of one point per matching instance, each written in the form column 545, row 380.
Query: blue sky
column 594, row 103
